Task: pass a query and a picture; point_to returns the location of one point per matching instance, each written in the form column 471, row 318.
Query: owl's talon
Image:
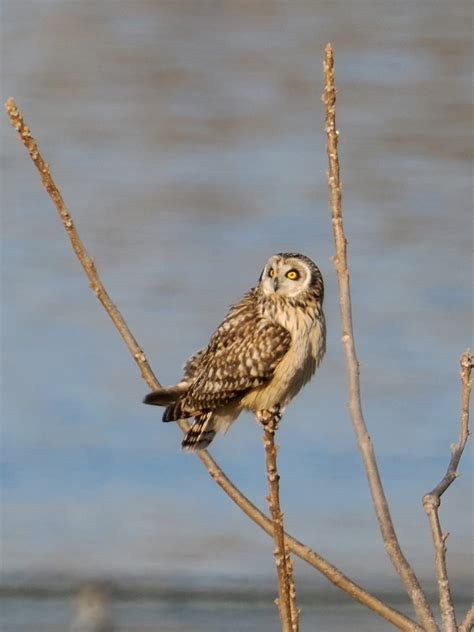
column 265, row 417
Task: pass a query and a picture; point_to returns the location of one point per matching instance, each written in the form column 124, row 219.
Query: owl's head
column 290, row 274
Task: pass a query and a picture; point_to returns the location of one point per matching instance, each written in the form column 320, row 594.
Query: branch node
column 430, row 502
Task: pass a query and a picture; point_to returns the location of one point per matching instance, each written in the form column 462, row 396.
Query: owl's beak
column 276, row 283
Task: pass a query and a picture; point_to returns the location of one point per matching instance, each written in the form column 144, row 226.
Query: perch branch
column 364, row 441
column 432, row 500
column 303, row 551
column 289, row 614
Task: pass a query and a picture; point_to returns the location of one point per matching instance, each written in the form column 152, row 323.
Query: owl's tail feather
column 203, row 430
column 166, row 396
column 176, row 411
column 201, row 433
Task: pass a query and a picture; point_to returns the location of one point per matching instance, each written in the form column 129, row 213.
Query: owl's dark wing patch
column 242, row 354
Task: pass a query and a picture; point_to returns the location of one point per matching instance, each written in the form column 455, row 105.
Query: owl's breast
column 293, row 371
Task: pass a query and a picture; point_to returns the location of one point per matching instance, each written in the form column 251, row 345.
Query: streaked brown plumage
column 262, row 354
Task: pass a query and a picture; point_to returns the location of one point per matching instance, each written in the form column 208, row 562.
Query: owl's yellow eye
column 271, row 273
column 293, row 275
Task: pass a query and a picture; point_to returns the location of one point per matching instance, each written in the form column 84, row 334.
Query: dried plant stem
column 303, row 551
column 295, row 611
column 432, row 500
column 286, row 602
column 408, row 577
column 448, row 616
column 468, row 623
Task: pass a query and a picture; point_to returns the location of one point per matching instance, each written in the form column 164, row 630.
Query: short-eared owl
column 264, row 352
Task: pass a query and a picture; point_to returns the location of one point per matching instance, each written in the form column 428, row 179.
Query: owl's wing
column 192, row 365
column 242, row 354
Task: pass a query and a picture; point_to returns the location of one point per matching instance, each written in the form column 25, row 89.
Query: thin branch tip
column 10, row 104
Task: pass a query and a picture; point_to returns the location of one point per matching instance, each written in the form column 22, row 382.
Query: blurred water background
column 187, row 138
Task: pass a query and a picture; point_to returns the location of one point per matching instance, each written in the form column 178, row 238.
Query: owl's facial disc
column 285, row 276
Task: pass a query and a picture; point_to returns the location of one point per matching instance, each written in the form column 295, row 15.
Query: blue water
column 55, row 615
column 188, row 141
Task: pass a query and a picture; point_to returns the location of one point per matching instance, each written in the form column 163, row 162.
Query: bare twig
column 468, row 623
column 364, row 441
column 295, row 611
column 467, row 363
column 289, row 616
column 303, row 551
column 432, row 500
column 448, row 615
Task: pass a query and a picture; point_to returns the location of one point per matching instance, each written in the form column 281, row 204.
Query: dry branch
column 303, row 551
column 295, row 611
column 364, row 441
column 289, row 614
column 468, row 623
column 432, row 500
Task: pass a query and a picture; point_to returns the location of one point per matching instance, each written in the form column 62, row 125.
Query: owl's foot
column 269, row 416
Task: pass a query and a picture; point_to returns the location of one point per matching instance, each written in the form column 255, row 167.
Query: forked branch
column 468, row 623
column 303, row 551
column 408, row 577
column 432, row 500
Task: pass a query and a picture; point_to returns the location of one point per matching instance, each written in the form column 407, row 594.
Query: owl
column 266, row 349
